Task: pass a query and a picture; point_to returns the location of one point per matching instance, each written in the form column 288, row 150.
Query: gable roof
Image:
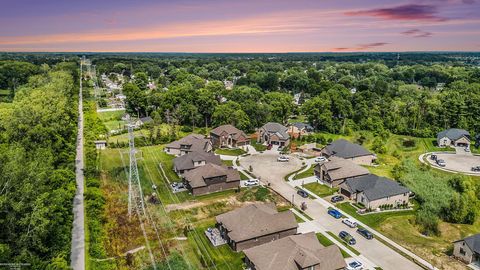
column 375, row 187
column 146, row 119
column 339, row 168
column 196, row 177
column 256, row 220
column 300, row 125
column 192, row 142
column 186, row 162
column 230, row 130
column 276, row 128
column 345, row 149
column 453, row 134
column 473, row 242
column 303, row 250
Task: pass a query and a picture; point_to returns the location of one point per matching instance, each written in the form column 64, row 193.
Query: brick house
column 228, row 136
column 192, row 160
column 337, row 170
column 211, row 178
column 273, row 133
column 190, row 143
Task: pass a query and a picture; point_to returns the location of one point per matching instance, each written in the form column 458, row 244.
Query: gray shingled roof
column 302, row 249
column 345, row 149
column 146, row 119
column 473, row 242
column 339, row 168
column 196, row 177
column 453, row 134
column 276, row 128
column 375, row 187
column 256, row 220
column 185, row 162
column 300, row 125
column 194, row 143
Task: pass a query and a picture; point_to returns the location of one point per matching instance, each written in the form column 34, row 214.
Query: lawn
column 109, row 116
column 243, row 176
column 230, row 152
column 305, row 174
column 258, row 146
column 115, row 124
column 292, row 173
column 326, row 242
column 320, row 190
column 4, row 92
column 227, row 162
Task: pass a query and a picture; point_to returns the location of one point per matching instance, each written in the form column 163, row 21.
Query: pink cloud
column 417, row 33
column 403, row 12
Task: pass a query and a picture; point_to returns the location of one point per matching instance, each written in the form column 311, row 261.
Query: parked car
column 320, row 159
column 355, row 265
column 302, row 193
column 283, row 159
column 335, row 213
column 441, row 162
column 337, row 198
column 280, row 148
column 252, row 182
column 433, row 157
column 365, row 233
column 349, row 222
column 467, row 149
column 476, row 169
column 345, row 236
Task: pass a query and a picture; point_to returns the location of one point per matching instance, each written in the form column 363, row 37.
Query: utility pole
column 135, row 196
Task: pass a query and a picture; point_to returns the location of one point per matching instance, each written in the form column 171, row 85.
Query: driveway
column 270, row 171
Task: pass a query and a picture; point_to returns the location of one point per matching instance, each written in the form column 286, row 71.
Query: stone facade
column 463, row 253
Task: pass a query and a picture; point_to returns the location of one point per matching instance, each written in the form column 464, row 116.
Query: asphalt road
column 77, row 256
column 270, row 171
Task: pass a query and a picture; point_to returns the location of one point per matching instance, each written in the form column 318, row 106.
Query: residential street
column 77, row 256
column 270, row 171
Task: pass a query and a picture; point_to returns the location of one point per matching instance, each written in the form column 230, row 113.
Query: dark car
column 433, row 157
column 476, row 169
column 441, row 162
column 345, row 236
column 337, row 198
column 335, row 213
column 302, row 193
column 365, row 233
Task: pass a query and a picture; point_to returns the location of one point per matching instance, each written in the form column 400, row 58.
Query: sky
column 239, row 25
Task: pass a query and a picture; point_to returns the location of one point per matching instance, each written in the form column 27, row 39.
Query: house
column 468, row 250
column 193, row 160
column 298, row 129
column 347, row 150
column 337, row 170
column 273, row 133
column 211, row 178
column 254, row 225
column 228, row 136
column 190, row 143
column 373, row 191
column 100, row 145
column 142, row 121
column 295, row 252
column 453, row 137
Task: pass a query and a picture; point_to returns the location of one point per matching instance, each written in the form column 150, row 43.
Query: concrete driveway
column 270, row 171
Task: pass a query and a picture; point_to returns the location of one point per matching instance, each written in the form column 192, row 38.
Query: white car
column 320, row 159
column 349, row 222
column 355, row 265
column 283, row 159
column 251, row 182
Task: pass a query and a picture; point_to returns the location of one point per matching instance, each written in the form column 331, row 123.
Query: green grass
column 320, row 190
column 243, row 176
column 292, row 173
column 327, row 242
column 305, row 174
column 4, row 92
column 372, row 220
column 228, row 162
column 115, row 124
column 223, row 257
column 109, row 116
column 259, row 147
column 343, row 243
column 230, row 152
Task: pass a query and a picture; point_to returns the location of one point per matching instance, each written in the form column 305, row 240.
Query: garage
column 345, row 192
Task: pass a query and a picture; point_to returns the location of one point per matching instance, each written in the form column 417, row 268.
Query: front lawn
column 229, row 152
column 227, row 162
column 243, row 176
column 258, row 146
column 320, row 190
column 327, row 242
column 305, row 174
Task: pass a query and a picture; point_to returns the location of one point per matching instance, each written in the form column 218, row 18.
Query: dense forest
column 37, row 152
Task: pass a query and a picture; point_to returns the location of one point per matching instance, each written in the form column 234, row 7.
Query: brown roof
column 186, row 162
column 230, row 130
column 290, row 252
column 339, row 168
column 256, row 220
column 196, row 177
column 192, row 142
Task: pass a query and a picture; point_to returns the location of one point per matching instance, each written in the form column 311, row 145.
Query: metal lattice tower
column 135, row 196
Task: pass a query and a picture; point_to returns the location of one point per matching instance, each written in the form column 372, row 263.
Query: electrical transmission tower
column 135, row 196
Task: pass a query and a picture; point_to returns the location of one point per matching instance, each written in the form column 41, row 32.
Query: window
column 462, row 252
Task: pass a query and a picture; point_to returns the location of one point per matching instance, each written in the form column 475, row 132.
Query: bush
column 408, row 143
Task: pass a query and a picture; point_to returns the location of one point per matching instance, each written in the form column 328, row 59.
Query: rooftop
column 375, row 187
column 453, row 134
column 186, row 162
column 345, row 149
column 339, row 168
column 196, row 177
column 279, row 129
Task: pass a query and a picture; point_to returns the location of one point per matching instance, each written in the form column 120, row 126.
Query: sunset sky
column 239, row 25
